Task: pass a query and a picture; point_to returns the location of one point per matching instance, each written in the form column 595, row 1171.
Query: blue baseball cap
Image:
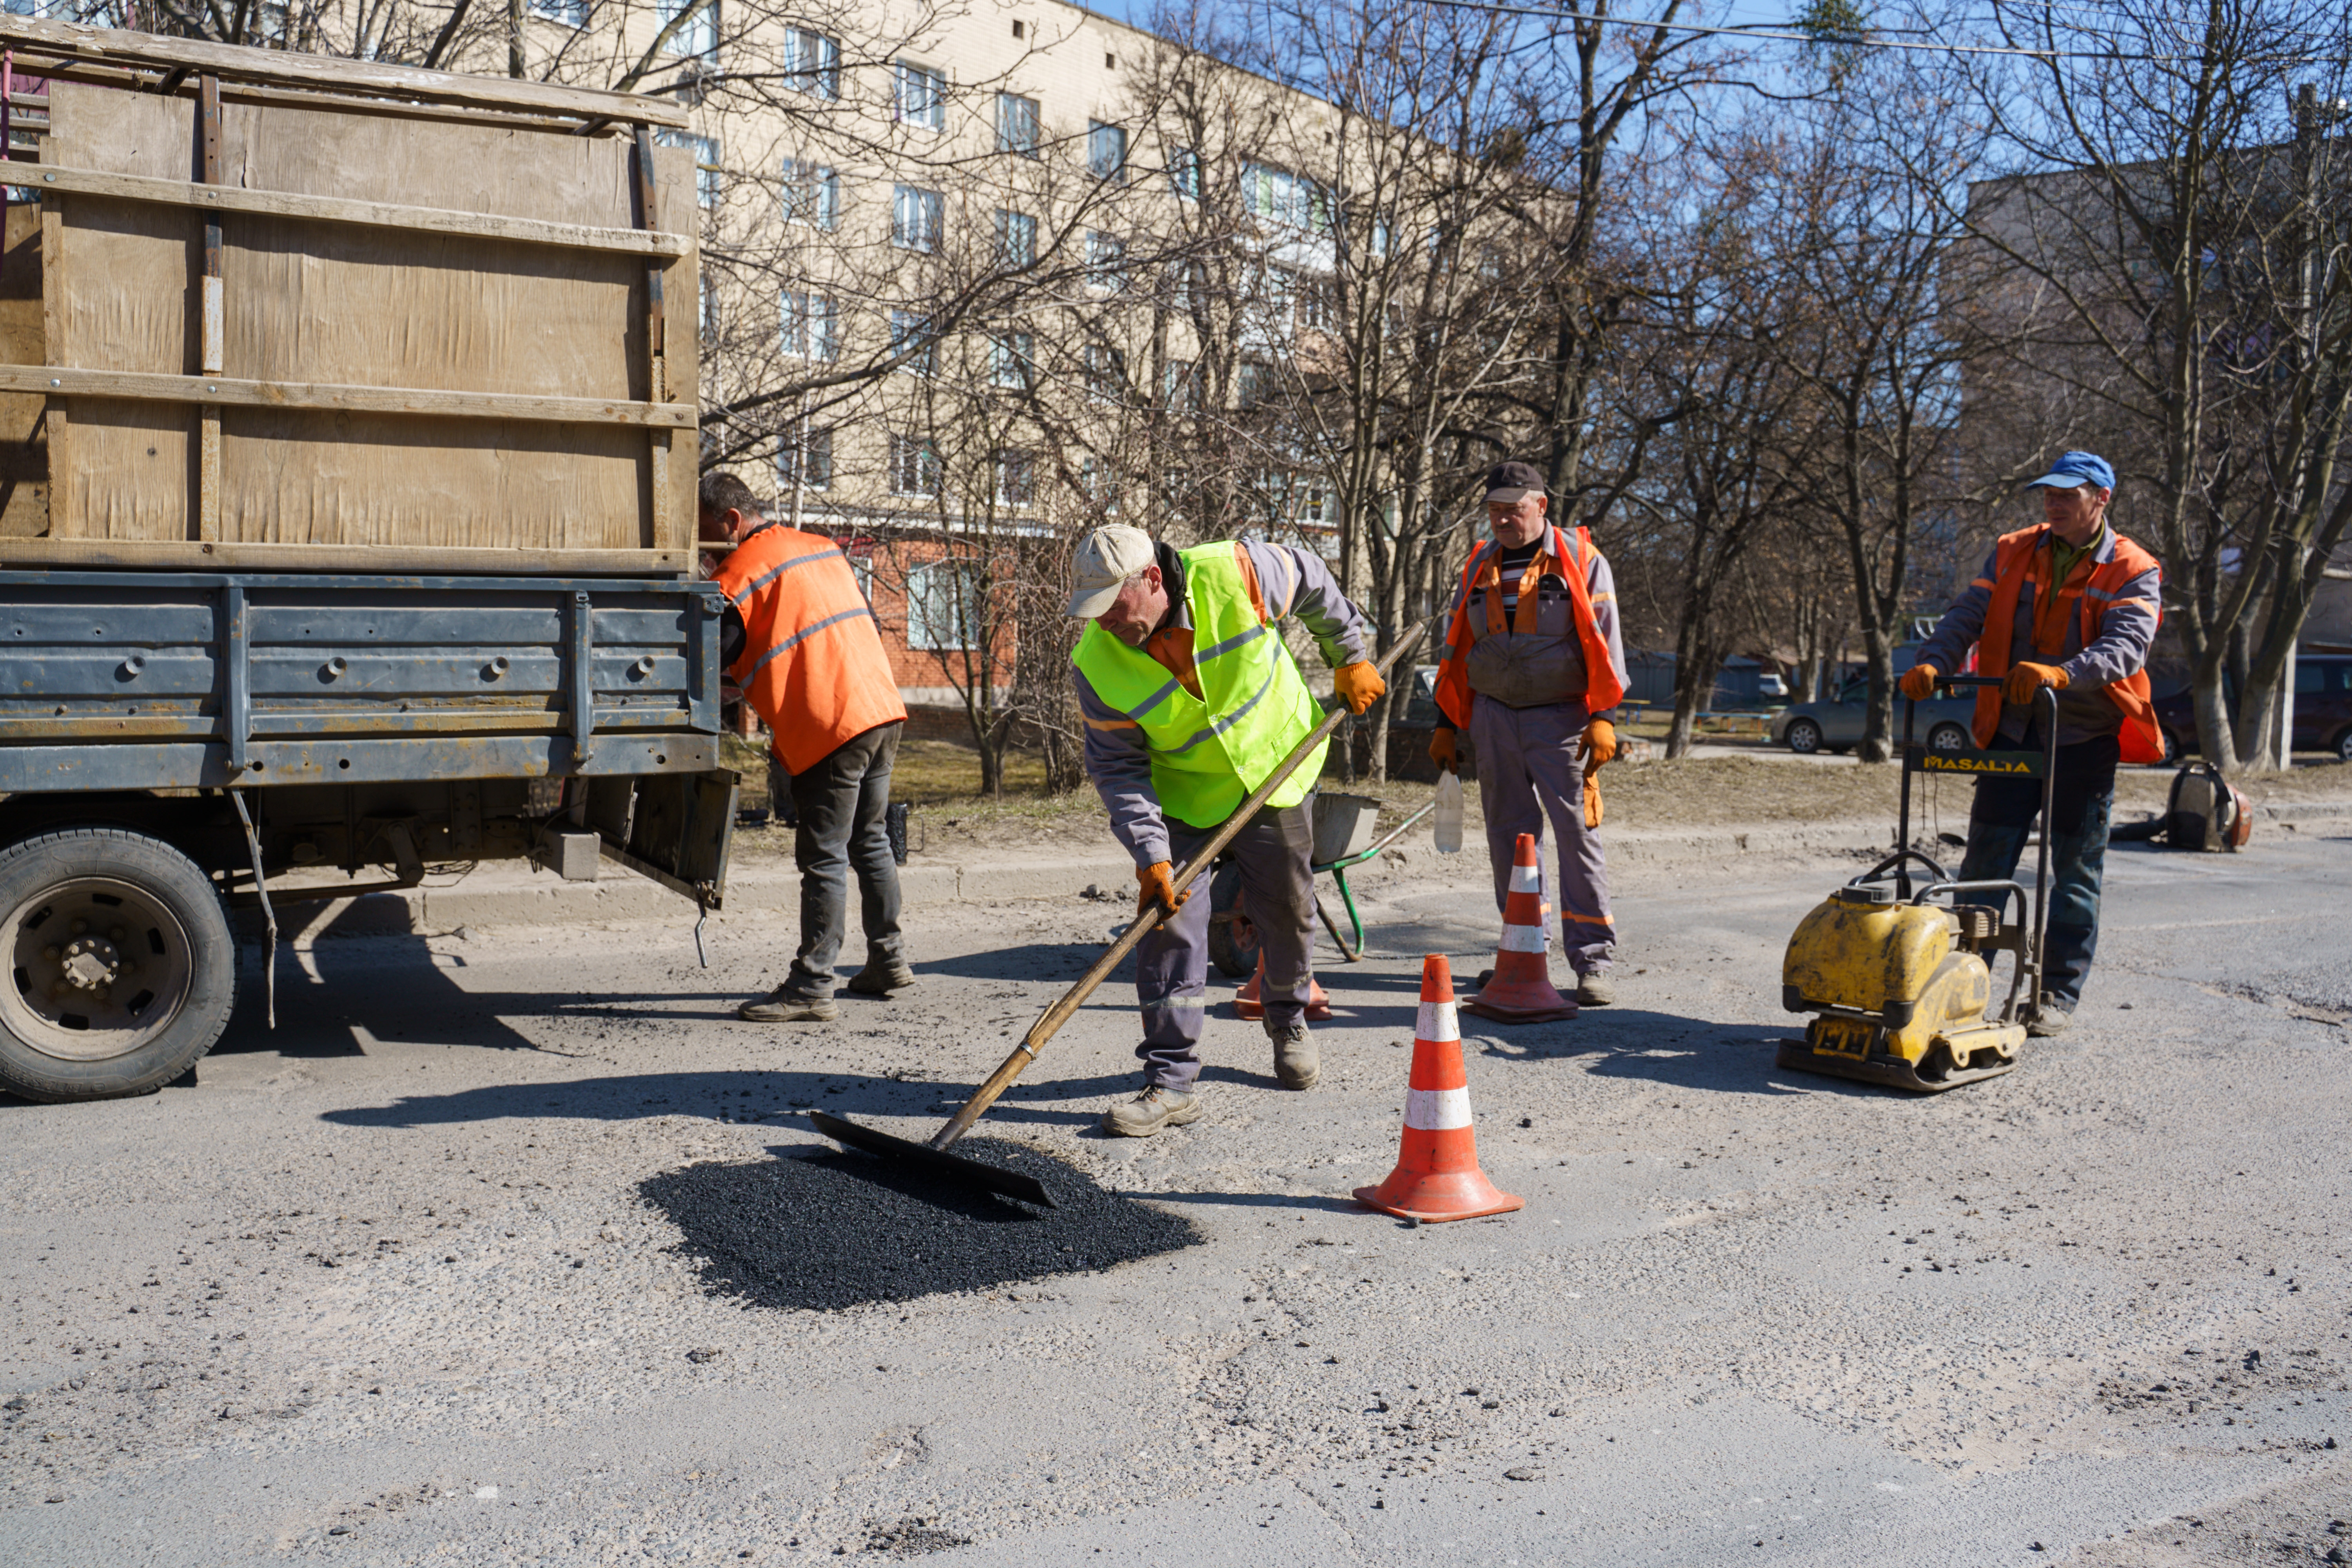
column 2073, row 471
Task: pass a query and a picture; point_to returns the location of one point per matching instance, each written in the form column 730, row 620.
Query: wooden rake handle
column 1051, row 1020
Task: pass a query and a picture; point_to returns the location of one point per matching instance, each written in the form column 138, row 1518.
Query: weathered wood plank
column 60, row 381
column 434, row 560
column 373, row 214
column 41, row 44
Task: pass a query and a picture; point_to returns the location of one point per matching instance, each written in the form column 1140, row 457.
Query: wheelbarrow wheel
column 1233, row 940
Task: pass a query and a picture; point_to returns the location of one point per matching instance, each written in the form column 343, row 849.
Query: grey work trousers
column 841, row 804
column 1171, row 966
column 1527, row 770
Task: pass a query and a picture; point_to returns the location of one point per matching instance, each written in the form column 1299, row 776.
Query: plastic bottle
column 1449, row 813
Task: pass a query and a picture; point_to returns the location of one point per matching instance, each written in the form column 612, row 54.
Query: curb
column 525, row 895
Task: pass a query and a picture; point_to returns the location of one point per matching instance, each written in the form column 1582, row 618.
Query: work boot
column 1593, row 990
column 881, row 976
column 1150, row 1112
column 2051, row 1018
column 1295, row 1060
column 781, row 1006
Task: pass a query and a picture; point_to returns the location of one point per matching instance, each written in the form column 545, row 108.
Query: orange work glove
column 1591, row 801
column 1918, row 682
column 2028, row 679
column 1598, row 746
column 1359, row 685
column 1159, row 887
column 1443, row 749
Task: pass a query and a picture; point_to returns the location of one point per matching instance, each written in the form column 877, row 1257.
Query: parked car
column 2323, row 708
column 1941, row 723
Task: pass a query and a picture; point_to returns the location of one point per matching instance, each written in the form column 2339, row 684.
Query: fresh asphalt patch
column 828, row 1229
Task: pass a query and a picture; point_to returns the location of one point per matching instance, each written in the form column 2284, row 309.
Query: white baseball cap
column 1104, row 560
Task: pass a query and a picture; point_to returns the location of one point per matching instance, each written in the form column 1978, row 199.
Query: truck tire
column 122, row 967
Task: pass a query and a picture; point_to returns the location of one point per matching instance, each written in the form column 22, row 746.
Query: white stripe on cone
column 1438, row 1023
column 1526, row 939
column 1526, row 878
column 1436, row 1109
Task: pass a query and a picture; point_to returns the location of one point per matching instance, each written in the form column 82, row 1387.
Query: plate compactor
column 1897, row 963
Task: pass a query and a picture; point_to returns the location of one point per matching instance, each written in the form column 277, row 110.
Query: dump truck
column 347, row 476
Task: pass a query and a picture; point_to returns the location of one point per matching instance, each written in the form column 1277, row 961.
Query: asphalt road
column 430, row 1274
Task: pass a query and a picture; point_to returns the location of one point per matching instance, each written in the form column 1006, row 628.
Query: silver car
column 1941, row 722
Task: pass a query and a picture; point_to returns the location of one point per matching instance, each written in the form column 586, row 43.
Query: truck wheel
column 121, row 968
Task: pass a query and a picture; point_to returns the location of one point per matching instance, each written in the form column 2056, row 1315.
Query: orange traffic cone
column 1437, row 1175
column 1521, row 990
column 1247, row 1006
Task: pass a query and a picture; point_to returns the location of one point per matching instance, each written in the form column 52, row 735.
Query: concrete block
column 570, row 852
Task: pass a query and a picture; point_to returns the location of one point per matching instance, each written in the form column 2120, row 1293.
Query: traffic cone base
column 1246, row 1004
column 1437, row 1176
column 1521, row 991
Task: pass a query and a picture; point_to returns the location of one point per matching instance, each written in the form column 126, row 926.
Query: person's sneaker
column 2052, row 1019
column 1593, row 990
column 880, row 977
column 780, row 1007
column 1295, row 1060
column 1150, row 1112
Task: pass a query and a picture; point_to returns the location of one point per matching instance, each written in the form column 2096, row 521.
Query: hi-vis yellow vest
column 1208, row 752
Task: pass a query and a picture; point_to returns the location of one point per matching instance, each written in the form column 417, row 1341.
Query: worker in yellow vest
column 1191, row 699
column 2072, row 605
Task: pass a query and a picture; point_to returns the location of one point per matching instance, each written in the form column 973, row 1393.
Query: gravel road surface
column 510, row 1246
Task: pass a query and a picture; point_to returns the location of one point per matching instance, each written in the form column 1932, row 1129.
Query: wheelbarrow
column 1343, row 839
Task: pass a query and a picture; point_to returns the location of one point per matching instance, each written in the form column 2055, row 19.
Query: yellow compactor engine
column 1902, row 991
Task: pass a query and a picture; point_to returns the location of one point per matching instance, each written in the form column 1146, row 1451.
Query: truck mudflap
column 672, row 828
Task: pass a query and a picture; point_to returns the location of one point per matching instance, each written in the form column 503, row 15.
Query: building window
column 1016, row 124
column 707, row 189
column 811, row 193
column 1278, row 196
column 709, row 310
column 1105, row 261
column 1016, row 477
column 922, row 96
column 811, row 328
column 1181, row 386
column 570, row 13
column 698, row 34
column 911, row 334
column 1106, row 151
column 1106, row 373
column 1253, row 383
column 805, row 458
column 916, row 217
column 1191, row 280
column 1101, row 485
column 940, row 597
column 1311, row 298
column 1016, row 238
column 1012, row 361
column 1184, row 173
column 914, row 466
column 812, row 63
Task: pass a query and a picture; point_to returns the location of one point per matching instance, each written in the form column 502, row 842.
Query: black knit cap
column 1507, row 482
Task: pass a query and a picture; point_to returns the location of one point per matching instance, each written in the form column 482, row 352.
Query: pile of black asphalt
column 825, row 1229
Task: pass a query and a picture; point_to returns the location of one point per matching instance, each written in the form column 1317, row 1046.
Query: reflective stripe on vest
column 1209, row 752
column 1571, row 557
column 2014, row 564
column 813, row 663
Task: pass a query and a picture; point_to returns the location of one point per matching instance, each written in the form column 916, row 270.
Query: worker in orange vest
column 1534, row 663
column 798, row 637
column 2072, row 606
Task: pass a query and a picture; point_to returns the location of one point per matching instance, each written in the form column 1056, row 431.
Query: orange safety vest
column 1571, row 559
column 2091, row 588
column 812, row 664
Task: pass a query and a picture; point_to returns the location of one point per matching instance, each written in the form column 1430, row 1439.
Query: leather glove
column 1159, row 887
column 1592, row 812
column 1598, row 746
column 2028, row 679
column 1441, row 748
column 1918, row 682
column 1359, row 685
